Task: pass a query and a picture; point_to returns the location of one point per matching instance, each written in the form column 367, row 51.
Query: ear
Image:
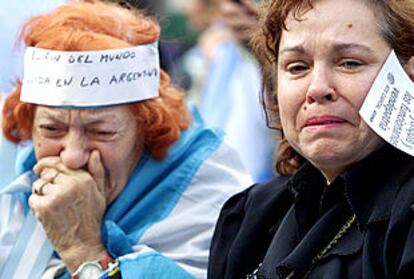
column 409, row 68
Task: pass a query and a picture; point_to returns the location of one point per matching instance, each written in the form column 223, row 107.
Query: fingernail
column 35, row 169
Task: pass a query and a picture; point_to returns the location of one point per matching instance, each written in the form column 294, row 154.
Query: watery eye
column 296, row 68
column 350, row 64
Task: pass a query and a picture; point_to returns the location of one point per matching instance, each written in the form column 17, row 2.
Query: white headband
column 90, row 78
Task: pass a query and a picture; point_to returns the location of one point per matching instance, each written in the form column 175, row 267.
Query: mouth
column 324, row 121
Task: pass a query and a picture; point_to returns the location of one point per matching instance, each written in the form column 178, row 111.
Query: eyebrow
column 298, row 49
column 55, row 116
column 95, row 118
column 337, row 47
column 98, row 122
column 345, row 46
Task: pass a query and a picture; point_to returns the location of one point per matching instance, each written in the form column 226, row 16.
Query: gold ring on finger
column 39, row 190
column 54, row 177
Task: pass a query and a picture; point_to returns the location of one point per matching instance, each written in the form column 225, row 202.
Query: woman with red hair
column 114, row 174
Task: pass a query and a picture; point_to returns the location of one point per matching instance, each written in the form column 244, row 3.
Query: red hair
column 97, row 26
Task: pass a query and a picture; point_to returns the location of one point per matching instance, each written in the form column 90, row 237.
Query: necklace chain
column 321, row 253
column 331, row 243
column 334, row 240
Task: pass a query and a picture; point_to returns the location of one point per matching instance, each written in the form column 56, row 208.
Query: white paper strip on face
column 90, row 78
column 389, row 106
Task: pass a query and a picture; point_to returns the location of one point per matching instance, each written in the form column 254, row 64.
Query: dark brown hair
column 396, row 26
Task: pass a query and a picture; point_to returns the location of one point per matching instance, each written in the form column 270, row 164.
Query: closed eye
column 52, row 130
column 49, row 128
column 102, row 134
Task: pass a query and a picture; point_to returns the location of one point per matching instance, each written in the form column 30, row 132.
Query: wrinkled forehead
column 348, row 21
column 333, row 12
column 111, row 114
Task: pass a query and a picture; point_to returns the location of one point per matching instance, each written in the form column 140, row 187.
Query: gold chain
column 321, row 253
column 290, row 275
column 333, row 242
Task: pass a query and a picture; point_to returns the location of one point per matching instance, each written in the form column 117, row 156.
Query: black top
column 281, row 226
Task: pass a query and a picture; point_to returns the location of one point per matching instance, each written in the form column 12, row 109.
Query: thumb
column 97, row 170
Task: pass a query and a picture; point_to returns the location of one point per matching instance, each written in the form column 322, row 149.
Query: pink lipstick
column 325, row 120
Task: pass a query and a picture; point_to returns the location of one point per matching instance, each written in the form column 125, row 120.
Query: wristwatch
column 89, row 270
column 93, row 269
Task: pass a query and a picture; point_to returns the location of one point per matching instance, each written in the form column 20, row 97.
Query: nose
column 321, row 88
column 75, row 153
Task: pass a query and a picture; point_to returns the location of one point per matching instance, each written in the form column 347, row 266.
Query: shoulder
column 255, row 210
column 252, row 206
column 260, row 197
column 271, row 189
column 246, row 226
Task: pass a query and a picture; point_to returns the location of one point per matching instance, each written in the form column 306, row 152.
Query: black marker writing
column 85, row 82
column 39, row 80
column 61, row 82
column 399, row 123
column 389, row 108
column 105, row 58
column 132, row 76
column 410, row 131
column 382, row 98
column 80, row 59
